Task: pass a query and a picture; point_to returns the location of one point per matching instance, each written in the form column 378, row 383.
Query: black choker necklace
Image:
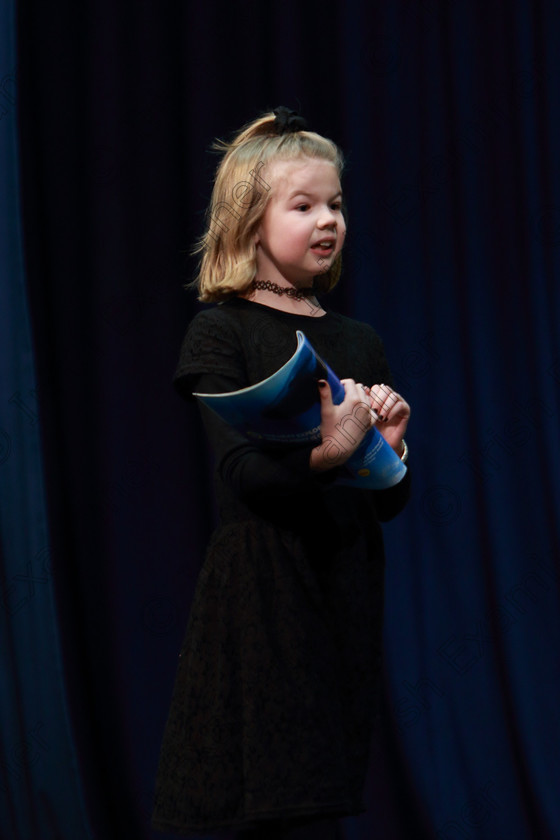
column 289, row 291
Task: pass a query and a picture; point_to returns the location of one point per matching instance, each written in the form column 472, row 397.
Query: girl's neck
column 309, row 306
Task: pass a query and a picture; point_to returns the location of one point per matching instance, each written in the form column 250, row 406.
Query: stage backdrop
column 40, row 784
column 448, row 112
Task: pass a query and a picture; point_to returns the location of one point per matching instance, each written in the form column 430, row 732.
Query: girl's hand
column 393, row 412
column 343, row 426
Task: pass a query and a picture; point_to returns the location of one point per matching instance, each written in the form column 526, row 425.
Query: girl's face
column 302, row 230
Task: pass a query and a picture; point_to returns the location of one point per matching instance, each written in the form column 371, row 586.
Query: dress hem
column 256, row 819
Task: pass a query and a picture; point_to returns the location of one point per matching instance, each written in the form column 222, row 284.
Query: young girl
column 270, row 722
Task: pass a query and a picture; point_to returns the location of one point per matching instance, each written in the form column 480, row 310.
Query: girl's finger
column 354, row 390
column 399, row 408
column 383, row 398
column 358, row 393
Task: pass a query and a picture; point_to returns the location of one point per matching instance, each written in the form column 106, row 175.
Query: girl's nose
column 327, row 218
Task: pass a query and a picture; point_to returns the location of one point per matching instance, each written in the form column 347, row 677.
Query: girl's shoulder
column 359, row 330
column 212, row 344
column 214, row 313
column 217, row 324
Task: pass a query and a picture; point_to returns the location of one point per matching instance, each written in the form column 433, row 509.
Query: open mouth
column 324, row 246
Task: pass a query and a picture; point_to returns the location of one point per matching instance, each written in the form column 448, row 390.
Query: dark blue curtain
column 40, row 788
column 449, row 115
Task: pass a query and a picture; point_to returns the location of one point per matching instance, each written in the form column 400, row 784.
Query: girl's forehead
column 300, row 172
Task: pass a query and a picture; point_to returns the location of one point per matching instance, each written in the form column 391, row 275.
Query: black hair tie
column 288, row 121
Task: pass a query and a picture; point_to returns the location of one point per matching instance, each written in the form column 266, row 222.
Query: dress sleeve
column 252, row 473
column 210, row 347
column 388, row 503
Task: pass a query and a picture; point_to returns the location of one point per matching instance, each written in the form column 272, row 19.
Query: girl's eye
column 336, row 205
column 302, row 207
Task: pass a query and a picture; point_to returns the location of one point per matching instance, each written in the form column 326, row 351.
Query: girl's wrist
column 317, row 460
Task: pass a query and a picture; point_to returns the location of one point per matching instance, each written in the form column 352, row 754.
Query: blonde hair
column 239, row 200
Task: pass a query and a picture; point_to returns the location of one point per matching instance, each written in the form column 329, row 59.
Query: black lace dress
column 278, row 675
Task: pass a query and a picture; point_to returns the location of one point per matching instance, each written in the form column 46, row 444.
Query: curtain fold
column 40, row 785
